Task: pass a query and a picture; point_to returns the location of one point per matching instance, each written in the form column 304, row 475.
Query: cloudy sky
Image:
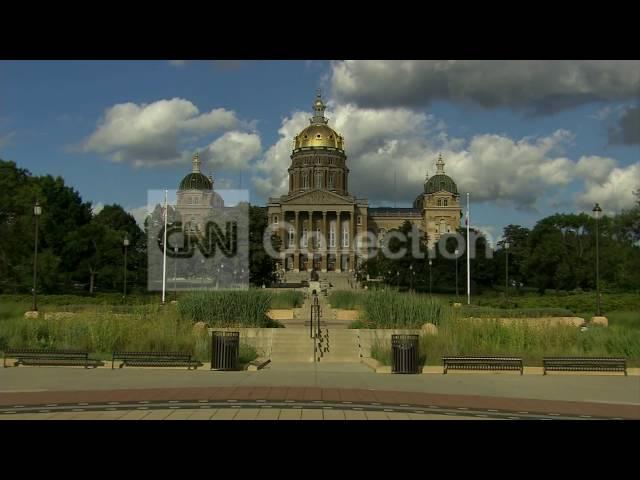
column 525, row 138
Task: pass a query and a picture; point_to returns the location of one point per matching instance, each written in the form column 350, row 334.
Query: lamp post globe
column 430, row 283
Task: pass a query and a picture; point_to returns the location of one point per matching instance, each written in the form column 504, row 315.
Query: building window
column 446, row 202
column 318, row 241
column 304, row 237
column 331, row 181
column 305, row 180
column 442, row 226
column 345, row 235
column 332, row 236
column 439, row 202
column 196, row 201
column 275, row 219
column 359, row 220
column 319, row 180
column 291, row 236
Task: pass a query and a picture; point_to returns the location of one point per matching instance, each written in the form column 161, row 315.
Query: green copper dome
column 440, row 182
column 196, row 181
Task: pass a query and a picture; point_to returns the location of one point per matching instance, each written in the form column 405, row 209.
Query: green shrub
column 345, row 299
column 247, row 308
column 488, row 312
column 287, row 299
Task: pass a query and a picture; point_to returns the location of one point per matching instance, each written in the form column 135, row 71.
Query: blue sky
column 525, row 138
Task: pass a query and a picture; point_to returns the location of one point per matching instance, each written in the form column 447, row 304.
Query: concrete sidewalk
column 595, row 389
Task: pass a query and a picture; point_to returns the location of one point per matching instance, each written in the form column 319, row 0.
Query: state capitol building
column 323, row 216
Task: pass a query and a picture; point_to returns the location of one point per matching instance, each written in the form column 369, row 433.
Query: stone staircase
column 339, row 345
column 336, row 342
column 292, row 345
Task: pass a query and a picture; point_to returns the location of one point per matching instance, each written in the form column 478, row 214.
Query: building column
column 310, row 247
column 325, row 242
column 352, row 236
column 338, row 241
column 296, row 244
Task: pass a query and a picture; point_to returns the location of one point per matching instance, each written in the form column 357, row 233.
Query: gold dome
column 318, row 134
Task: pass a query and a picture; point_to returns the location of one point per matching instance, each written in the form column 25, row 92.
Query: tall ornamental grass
column 390, row 309
column 247, row 308
column 532, row 343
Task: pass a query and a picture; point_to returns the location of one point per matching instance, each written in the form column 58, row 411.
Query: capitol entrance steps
column 291, row 345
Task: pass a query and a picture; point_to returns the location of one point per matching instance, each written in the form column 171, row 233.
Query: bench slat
column 482, row 363
column 584, row 364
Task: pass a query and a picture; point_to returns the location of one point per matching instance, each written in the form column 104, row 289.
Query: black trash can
column 404, row 353
column 225, row 350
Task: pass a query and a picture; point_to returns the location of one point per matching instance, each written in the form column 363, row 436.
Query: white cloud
column 271, row 176
column 396, row 142
column 540, row 85
column 595, row 168
column 149, row 134
column 97, row 208
column 177, row 63
column 232, row 151
column 140, row 213
column 613, row 193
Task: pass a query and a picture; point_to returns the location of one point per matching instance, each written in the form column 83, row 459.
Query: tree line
column 558, row 253
column 80, row 250
column 83, row 251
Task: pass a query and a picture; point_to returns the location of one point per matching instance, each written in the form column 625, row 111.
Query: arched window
column 305, row 180
column 318, row 179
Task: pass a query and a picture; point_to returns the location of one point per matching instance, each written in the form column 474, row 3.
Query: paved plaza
column 309, row 391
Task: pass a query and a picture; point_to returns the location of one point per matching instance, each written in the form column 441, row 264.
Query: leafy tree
column 262, row 267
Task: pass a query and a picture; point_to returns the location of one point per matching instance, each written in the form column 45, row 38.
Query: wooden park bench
column 50, row 357
column 155, row 359
column 482, row 363
column 584, row 364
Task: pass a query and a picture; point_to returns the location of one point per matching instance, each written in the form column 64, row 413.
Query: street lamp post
column 430, row 283
column 506, row 281
column 37, row 211
column 411, row 277
column 456, row 253
column 175, row 273
column 596, row 213
column 125, row 242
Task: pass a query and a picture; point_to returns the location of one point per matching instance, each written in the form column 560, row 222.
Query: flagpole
column 468, row 258
column 164, row 254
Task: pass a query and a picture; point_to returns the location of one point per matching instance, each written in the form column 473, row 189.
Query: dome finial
column 195, row 163
column 440, row 165
column 318, row 109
